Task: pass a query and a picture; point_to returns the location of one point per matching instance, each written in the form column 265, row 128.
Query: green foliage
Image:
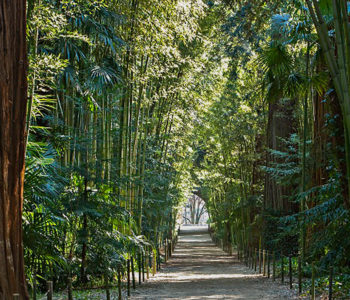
column 134, row 105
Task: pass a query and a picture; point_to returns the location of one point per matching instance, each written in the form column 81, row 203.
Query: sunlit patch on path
column 200, row 270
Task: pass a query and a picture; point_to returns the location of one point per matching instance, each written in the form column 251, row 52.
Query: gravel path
column 200, row 270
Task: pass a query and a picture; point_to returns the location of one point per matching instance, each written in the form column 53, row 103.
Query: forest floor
column 200, row 270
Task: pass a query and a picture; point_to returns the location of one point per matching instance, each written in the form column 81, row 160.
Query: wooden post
column 108, row 293
column 300, row 284
column 290, row 273
column 119, row 276
column 158, row 259
column 260, row 260
column 249, row 257
column 49, row 290
column 34, row 287
column 140, row 268
column 165, row 251
column 313, row 295
column 128, row 274
column 255, row 259
column 264, row 262
column 143, row 266
column 282, row 268
column 268, row 264
column 70, row 292
column 16, row 297
column 330, row 288
column 133, row 273
column 147, row 264
column 154, row 263
column 273, row 266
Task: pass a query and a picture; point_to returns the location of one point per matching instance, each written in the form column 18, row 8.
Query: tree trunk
column 13, row 103
column 281, row 124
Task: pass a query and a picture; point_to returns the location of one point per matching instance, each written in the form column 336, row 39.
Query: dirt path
column 200, row 270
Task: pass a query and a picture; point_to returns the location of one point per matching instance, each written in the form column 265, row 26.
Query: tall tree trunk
column 281, row 124
column 13, row 104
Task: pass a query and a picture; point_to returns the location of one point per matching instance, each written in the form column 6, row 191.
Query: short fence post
column 255, row 259
column 313, row 282
column 268, row 264
column 119, row 275
column 34, row 286
column 154, row 263
column 70, row 292
column 273, row 266
column 133, row 273
column 108, row 293
column 290, row 273
column 15, row 297
column 264, row 262
column 299, row 275
column 165, row 250
column 282, row 268
column 143, row 266
column 49, row 290
column 147, row 264
column 330, row 288
column 140, row 267
column 259, row 260
column 250, row 257
column 128, row 274
column 158, row 259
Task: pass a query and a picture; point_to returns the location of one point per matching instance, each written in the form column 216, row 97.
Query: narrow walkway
column 200, row 270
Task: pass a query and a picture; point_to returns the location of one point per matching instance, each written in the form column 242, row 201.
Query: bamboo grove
column 134, row 106
column 110, row 102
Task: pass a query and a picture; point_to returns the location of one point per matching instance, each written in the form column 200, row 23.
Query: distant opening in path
column 195, row 211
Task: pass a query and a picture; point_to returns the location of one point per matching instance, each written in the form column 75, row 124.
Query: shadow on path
column 200, row 270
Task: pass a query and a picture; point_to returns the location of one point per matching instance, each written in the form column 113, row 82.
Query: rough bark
column 13, row 103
